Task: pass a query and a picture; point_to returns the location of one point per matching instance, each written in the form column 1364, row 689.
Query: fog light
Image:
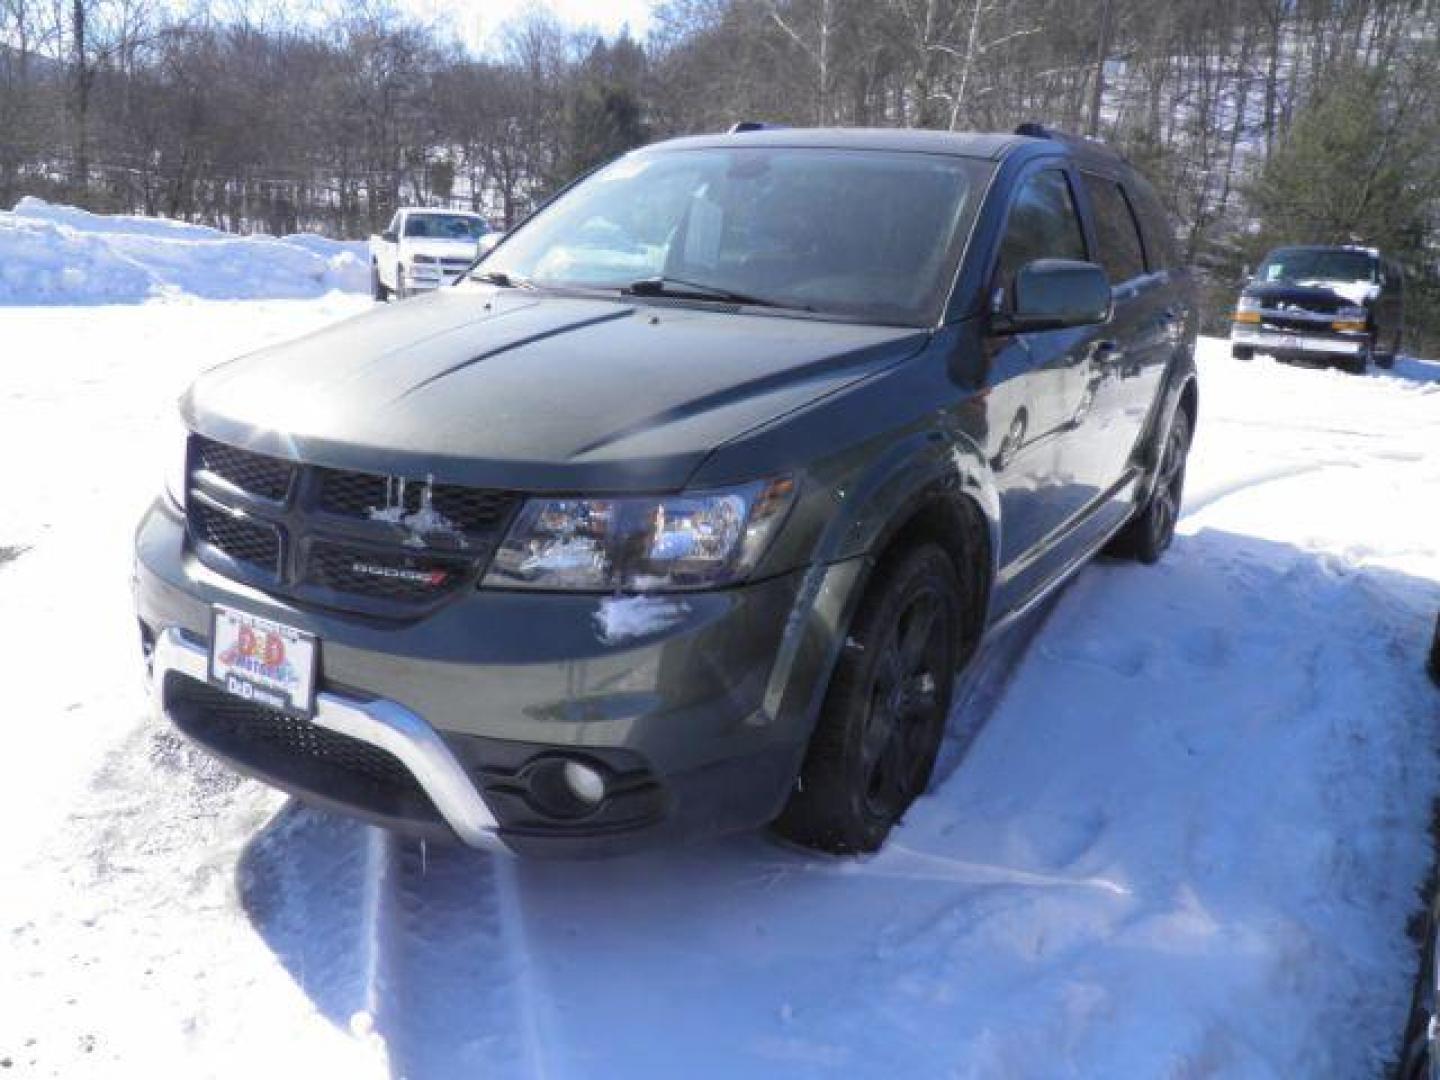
column 587, row 785
column 564, row 788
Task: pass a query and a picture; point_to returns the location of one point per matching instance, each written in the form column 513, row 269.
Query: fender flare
column 930, row 465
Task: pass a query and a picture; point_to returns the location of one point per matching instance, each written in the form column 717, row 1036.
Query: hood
column 1322, row 296
column 497, row 388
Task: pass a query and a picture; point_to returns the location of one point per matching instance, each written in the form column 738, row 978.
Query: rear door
column 1126, row 369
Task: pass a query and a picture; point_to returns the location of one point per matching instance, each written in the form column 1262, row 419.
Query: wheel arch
column 934, row 485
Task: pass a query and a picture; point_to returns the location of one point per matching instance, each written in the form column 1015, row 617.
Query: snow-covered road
column 1184, row 842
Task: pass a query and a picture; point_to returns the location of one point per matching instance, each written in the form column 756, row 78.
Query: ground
column 1178, row 831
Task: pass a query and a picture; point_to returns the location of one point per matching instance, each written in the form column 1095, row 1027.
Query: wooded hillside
column 1260, row 120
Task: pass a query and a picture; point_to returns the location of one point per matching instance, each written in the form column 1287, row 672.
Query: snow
column 1179, row 830
column 619, row 619
column 61, row 255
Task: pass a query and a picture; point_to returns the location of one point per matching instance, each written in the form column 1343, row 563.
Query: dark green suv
column 683, row 510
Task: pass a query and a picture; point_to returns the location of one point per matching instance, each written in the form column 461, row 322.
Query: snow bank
column 61, row 255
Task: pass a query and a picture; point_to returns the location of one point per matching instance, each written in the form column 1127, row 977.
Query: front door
column 1039, row 386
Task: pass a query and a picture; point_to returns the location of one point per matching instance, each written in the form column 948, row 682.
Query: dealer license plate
column 262, row 661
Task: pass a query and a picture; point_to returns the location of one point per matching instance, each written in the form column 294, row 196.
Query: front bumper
column 1289, row 343
column 700, row 728
column 425, row 277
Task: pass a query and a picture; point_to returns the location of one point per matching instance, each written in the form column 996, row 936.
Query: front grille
column 360, row 541
column 456, row 266
column 254, row 543
column 369, row 496
column 384, row 575
column 258, row 474
column 1296, row 326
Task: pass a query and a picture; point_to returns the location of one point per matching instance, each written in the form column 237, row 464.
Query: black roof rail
column 753, row 125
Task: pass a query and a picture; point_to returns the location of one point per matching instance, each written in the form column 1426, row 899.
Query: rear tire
column 1148, row 534
column 883, row 718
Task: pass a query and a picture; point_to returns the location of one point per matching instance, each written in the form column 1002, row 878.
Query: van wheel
column 1146, row 536
column 1242, row 352
column 400, row 292
column 880, row 727
column 1361, row 364
column 377, row 287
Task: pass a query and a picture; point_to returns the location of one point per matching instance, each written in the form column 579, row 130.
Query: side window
column 1116, row 231
column 1160, row 250
column 1043, row 225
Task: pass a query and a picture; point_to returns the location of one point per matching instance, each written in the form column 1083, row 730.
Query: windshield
column 859, row 234
column 444, row 227
column 1300, row 266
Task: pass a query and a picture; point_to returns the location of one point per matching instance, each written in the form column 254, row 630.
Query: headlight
column 697, row 541
column 425, row 260
column 1351, row 314
column 177, row 461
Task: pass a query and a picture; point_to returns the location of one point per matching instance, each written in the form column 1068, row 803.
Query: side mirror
column 489, row 240
column 1055, row 294
column 388, row 236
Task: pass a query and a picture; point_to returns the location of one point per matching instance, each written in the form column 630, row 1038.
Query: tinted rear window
column 1121, row 252
column 1161, row 251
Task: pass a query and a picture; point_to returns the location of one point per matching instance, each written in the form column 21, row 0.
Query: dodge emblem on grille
column 430, row 578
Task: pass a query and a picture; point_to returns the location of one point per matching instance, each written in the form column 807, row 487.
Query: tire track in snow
column 1206, row 498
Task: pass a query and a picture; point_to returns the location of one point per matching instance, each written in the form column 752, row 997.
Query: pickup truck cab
column 1337, row 304
column 423, row 249
column 681, row 512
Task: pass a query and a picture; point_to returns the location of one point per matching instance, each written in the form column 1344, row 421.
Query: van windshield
column 856, row 233
column 1304, row 265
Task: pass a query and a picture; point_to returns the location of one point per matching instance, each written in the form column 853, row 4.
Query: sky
column 477, row 20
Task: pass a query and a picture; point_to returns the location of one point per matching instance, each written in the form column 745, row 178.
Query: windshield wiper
column 695, row 290
column 502, row 279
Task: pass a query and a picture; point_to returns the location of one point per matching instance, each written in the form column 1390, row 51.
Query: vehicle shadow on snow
column 1415, row 370
column 1062, row 825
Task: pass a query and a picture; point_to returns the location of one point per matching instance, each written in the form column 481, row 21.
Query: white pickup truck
column 424, row 249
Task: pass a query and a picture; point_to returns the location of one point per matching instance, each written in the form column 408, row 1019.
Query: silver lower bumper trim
column 1267, row 339
column 384, row 724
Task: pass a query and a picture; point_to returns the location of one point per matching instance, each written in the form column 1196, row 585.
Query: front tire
column 1361, row 364
column 1242, row 352
column 377, row 287
column 400, row 292
column 883, row 719
column 1149, row 533
column 1434, row 666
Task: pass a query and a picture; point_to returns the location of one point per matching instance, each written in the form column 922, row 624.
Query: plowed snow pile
column 1185, row 841
column 60, row 255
